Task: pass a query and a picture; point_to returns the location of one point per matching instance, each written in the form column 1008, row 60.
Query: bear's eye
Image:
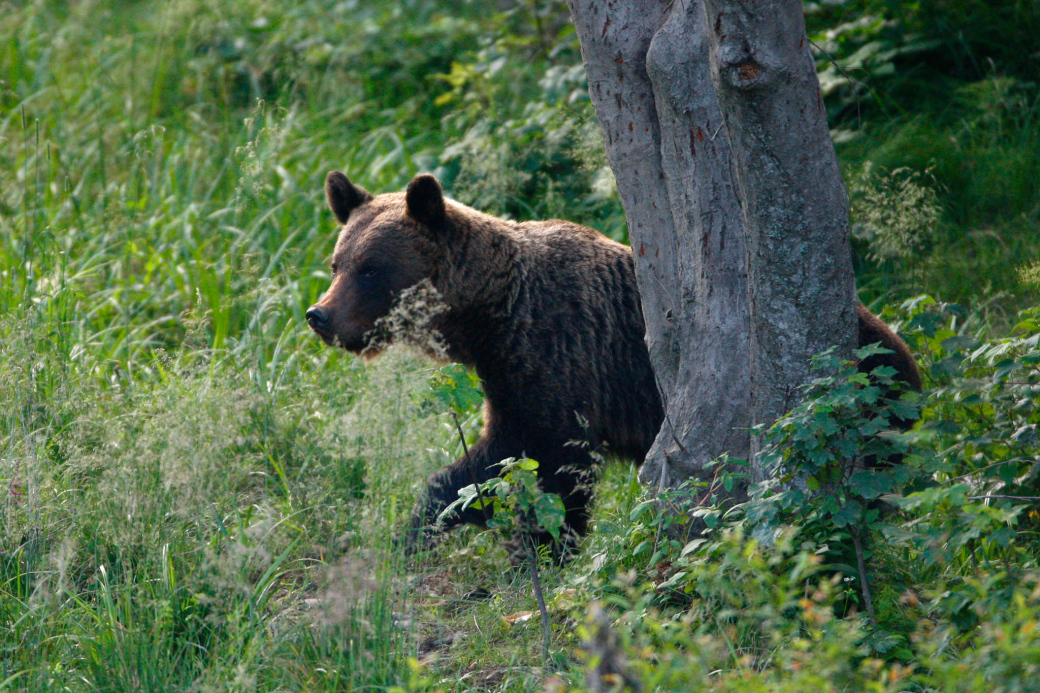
column 368, row 272
column 334, row 267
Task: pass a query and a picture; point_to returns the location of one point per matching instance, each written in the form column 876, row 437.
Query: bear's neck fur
column 480, row 282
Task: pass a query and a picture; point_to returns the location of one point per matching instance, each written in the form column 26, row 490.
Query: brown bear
column 546, row 312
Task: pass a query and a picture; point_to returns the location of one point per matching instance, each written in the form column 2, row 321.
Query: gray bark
column 707, row 406
column 801, row 288
column 614, row 43
column 704, row 206
column 649, row 79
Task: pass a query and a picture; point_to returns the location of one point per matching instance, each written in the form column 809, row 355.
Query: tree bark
column 707, row 406
column 729, row 346
column 688, row 237
column 801, row 287
column 614, row 38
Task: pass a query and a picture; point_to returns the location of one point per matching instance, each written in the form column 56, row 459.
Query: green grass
column 928, row 86
column 194, row 493
column 182, row 467
column 980, row 150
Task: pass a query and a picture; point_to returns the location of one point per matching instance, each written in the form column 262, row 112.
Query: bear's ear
column 425, row 200
column 343, row 196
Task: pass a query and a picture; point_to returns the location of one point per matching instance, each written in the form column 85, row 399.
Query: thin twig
column 844, row 72
column 473, row 475
column 715, row 483
column 532, row 559
column 980, row 469
column 994, row 497
column 462, row 438
column 864, row 586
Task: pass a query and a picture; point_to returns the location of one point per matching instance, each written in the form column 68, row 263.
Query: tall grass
column 194, row 493
column 195, row 496
column 981, row 154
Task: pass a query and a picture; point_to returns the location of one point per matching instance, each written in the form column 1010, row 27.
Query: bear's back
column 580, row 326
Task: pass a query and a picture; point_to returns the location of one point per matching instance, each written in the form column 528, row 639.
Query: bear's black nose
column 316, row 317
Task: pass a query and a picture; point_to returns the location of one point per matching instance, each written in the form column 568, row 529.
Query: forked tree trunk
column 801, row 288
column 737, row 213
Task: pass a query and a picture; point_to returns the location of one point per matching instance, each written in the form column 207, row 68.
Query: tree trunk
column 650, row 82
column 669, row 131
column 801, row 288
column 614, row 52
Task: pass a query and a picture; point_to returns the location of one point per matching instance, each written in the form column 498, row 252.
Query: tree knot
column 747, row 71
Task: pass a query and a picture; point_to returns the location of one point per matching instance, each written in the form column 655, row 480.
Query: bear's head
column 387, row 244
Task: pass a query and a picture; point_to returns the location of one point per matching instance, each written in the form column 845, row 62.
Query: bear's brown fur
column 546, row 312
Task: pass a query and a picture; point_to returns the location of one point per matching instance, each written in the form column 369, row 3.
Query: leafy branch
column 519, row 508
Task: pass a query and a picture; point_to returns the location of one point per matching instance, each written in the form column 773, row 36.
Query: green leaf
column 931, row 497
column 467, row 495
column 870, row 350
column 870, row 483
column 673, row 581
column 549, row 513
column 641, row 508
column 863, row 378
column 692, row 546
column 849, row 514
column 454, row 387
column 642, row 547
column 528, row 464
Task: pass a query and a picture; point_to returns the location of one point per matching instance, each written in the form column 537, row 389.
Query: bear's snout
column 317, row 318
column 334, row 330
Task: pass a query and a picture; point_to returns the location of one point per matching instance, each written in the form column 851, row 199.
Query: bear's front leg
column 563, row 469
column 567, row 472
column 443, row 489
